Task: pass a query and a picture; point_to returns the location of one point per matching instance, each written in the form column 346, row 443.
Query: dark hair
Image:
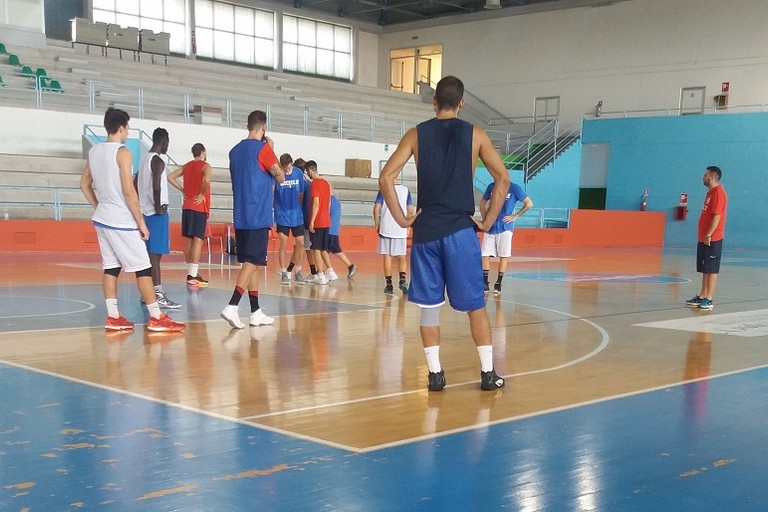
column 256, row 118
column 197, row 149
column 449, row 92
column 114, row 118
column 159, row 135
column 310, row 166
column 285, row 159
column 300, row 163
column 716, row 171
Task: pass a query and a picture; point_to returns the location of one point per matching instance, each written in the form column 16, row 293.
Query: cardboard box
column 357, row 168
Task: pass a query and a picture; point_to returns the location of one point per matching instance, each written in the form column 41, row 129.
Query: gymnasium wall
column 634, row 54
column 668, row 156
column 50, row 133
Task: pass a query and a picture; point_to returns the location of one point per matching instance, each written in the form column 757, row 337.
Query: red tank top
column 193, row 182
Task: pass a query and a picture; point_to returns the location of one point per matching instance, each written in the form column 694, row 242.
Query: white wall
column 636, row 54
column 367, row 67
column 49, row 133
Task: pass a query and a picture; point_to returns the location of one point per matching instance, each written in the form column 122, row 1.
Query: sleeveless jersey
column 193, row 182
column 387, row 225
column 112, row 210
column 252, row 184
column 144, row 185
column 444, row 178
column 288, row 208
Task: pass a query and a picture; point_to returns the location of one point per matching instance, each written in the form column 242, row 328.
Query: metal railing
column 677, row 111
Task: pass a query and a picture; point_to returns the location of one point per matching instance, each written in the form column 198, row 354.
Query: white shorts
column 392, row 246
column 498, row 245
column 120, row 248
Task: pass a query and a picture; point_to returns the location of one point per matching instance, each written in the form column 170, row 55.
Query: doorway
column 410, row 67
column 692, row 100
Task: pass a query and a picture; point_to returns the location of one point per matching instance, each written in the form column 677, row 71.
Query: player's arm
column 376, row 213
column 498, row 171
column 387, row 179
column 173, row 179
column 206, row 185
column 277, row 172
column 712, row 227
column 313, row 215
column 86, row 185
column 527, row 205
column 157, row 165
column 129, row 190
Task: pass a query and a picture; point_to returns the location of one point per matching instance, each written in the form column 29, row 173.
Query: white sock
column 282, row 270
column 159, row 288
column 486, row 357
column 433, row 358
column 192, row 269
column 329, row 270
column 297, row 268
column 112, row 308
column 154, row 310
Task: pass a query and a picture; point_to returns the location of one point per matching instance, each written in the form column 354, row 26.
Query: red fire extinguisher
column 644, row 200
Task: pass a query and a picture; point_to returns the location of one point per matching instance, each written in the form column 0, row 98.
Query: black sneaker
column 389, row 290
column 489, row 381
column 403, row 287
column 486, row 289
column 497, row 288
column 436, row 381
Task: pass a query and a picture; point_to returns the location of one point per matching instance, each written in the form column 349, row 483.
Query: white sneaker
column 259, row 318
column 332, row 275
column 321, row 278
column 230, row 314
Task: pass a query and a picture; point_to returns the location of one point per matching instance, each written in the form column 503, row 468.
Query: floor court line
column 603, row 344
column 556, row 409
column 188, row 408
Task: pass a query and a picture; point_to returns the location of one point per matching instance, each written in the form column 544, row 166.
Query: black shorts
column 708, row 257
column 321, row 240
column 296, row 231
column 334, row 246
column 252, row 245
column 193, row 224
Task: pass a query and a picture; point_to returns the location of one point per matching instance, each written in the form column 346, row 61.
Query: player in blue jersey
column 445, row 254
column 497, row 241
column 254, row 169
column 289, row 216
column 334, row 232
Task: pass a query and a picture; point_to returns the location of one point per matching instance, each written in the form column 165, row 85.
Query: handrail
column 676, row 111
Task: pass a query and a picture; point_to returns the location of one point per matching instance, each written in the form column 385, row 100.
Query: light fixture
column 492, row 4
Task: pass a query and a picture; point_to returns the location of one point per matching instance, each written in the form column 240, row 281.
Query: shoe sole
column 165, row 329
column 118, row 327
column 707, row 308
column 692, row 305
column 166, row 306
column 492, row 387
column 231, row 322
column 262, row 323
column 497, row 292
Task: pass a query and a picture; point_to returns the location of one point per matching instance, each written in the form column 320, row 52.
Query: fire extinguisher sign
column 683, row 199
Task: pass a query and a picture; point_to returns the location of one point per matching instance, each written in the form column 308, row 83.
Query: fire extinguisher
column 644, row 200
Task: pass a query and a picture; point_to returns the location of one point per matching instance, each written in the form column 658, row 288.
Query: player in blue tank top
column 254, row 170
column 445, row 255
column 289, row 216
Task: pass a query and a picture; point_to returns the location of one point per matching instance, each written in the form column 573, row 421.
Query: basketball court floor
column 618, row 397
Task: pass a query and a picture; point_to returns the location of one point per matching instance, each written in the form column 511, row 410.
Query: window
column 157, row 15
column 317, row 48
column 232, row 32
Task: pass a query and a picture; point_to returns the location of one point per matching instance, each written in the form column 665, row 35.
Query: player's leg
column 388, row 288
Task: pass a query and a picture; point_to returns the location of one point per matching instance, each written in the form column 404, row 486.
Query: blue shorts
column 296, row 231
column 252, row 245
column 334, row 246
column 452, row 263
column 320, row 239
column 159, row 240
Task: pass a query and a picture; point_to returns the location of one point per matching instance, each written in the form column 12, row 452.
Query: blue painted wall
column 668, row 156
column 556, row 186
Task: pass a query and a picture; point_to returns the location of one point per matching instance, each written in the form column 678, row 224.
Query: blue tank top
column 444, row 177
column 252, row 190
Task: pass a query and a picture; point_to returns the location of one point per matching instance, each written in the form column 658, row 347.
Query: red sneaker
column 165, row 324
column 118, row 324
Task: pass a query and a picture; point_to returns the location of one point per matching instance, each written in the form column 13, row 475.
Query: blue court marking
column 27, row 308
column 692, row 447
column 596, row 277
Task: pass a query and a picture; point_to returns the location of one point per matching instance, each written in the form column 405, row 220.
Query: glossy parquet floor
column 618, row 397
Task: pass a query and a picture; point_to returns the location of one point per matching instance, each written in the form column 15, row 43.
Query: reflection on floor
column 618, row 396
